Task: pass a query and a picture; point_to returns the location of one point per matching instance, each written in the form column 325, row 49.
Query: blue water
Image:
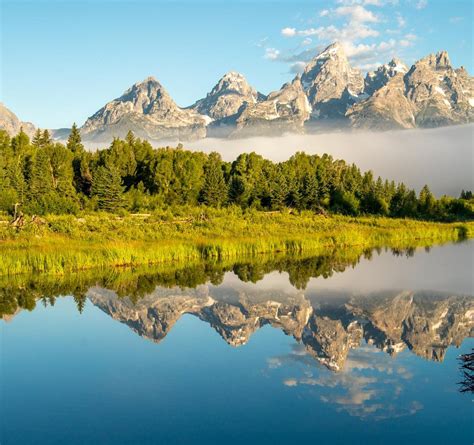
column 71, row 378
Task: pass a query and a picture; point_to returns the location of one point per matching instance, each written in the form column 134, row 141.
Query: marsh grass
column 25, row 291
column 63, row 244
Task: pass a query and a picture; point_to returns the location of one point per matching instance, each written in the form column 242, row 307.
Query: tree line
column 44, row 176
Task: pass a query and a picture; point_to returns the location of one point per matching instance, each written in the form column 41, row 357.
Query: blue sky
column 61, row 60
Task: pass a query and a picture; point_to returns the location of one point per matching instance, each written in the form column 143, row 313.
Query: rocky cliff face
column 148, row 110
column 330, row 83
column 227, row 98
column 431, row 94
column 382, row 75
column 441, row 95
column 386, row 109
column 11, row 124
column 285, row 110
column 426, row 324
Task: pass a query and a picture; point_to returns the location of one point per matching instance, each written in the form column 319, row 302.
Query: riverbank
column 61, row 244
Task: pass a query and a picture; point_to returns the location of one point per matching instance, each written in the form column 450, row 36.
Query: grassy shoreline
column 63, row 244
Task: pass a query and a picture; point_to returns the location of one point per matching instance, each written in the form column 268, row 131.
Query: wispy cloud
column 369, row 30
column 366, row 388
column 288, row 32
column 357, row 14
column 421, row 4
column 272, row 53
column 401, row 20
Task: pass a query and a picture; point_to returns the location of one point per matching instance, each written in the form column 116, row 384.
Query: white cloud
column 290, row 382
column 271, row 53
column 355, row 24
column 456, row 19
column 421, row 4
column 401, row 20
column 357, row 14
column 329, row 33
column 408, row 40
column 288, row 32
column 297, row 67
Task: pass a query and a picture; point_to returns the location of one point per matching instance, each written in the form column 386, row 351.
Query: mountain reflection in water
column 150, row 302
column 270, row 350
column 426, row 324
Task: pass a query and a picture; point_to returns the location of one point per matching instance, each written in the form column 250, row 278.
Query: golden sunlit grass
column 67, row 243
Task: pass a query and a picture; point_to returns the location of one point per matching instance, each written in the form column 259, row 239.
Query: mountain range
column 328, row 94
column 425, row 323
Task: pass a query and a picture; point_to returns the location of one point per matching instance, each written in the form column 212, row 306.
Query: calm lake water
column 323, row 350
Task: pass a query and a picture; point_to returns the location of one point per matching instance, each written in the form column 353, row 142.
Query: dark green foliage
column 47, row 177
column 107, row 187
column 279, row 191
column 74, row 142
column 346, row 203
column 214, row 189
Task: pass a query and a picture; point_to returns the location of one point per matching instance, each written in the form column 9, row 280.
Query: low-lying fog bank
column 442, row 158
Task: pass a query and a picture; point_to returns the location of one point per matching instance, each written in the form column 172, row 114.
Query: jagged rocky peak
column 285, row 110
column 439, row 60
column 441, row 95
column 147, row 109
column 227, row 97
column 386, row 108
column 234, row 83
column 326, row 78
column 12, row 124
column 375, row 80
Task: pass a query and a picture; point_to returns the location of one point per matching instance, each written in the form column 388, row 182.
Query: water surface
column 328, row 349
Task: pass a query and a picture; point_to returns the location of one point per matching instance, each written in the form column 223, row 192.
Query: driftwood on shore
column 19, row 219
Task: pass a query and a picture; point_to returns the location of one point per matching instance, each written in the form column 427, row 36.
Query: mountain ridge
column 329, row 93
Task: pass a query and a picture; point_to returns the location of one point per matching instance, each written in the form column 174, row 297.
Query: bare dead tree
column 18, row 219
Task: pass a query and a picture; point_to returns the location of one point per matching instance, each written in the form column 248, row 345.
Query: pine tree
column 62, row 173
column 426, row 201
column 310, row 191
column 37, row 138
column 107, row 186
column 20, row 142
column 45, row 138
column 130, row 138
column 40, row 180
column 279, row 191
column 214, row 189
column 74, row 142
